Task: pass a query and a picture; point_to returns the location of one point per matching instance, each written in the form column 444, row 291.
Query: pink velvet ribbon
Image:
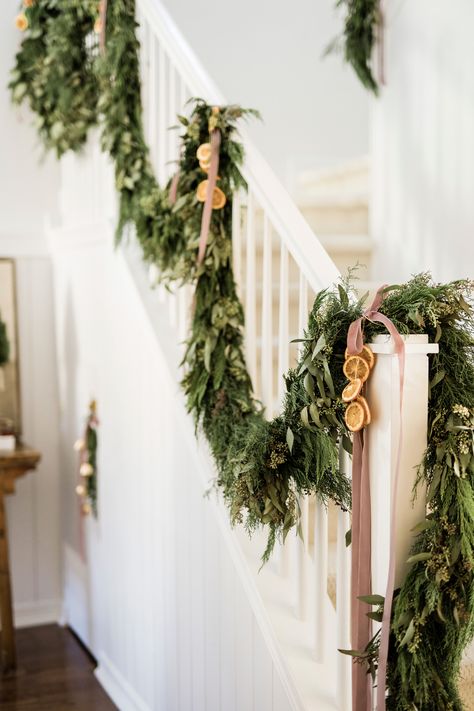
column 361, row 529
column 207, row 209
column 173, row 193
column 103, row 20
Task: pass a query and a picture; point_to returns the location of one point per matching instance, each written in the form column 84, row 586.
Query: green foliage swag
column 88, row 457
column 361, row 23
column 433, row 611
column 264, row 466
column 54, row 71
column 4, row 343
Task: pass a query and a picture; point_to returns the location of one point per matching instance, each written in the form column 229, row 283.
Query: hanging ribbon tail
column 361, row 627
column 103, row 20
column 361, row 529
column 173, row 189
column 207, row 209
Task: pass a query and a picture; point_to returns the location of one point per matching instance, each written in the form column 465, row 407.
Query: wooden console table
column 12, row 465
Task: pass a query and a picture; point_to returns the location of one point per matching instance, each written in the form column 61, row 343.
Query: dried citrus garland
column 357, row 369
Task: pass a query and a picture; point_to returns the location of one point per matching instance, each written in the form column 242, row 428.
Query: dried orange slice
column 355, row 416
column 202, row 190
column 204, row 152
column 218, row 199
column 365, row 405
column 356, row 367
column 365, row 353
column 205, row 165
column 352, row 390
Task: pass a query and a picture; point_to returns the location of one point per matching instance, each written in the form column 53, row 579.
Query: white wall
column 423, row 143
column 28, row 180
column 158, row 598
column 268, row 55
column 27, row 198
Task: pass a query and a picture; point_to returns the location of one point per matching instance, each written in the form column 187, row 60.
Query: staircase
column 186, row 620
column 336, row 204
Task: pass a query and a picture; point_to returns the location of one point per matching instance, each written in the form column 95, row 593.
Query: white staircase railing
column 279, row 265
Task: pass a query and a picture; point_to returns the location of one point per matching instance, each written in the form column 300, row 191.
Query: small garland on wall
column 363, row 28
column 87, row 448
column 54, row 70
column 264, row 466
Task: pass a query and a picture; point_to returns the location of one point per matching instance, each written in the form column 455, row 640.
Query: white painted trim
column 117, row 687
column 14, row 243
column 41, row 612
column 64, row 239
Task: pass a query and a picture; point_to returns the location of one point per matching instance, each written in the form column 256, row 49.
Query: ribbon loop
column 103, row 20
column 361, row 528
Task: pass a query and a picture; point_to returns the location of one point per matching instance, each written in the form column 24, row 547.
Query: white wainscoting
column 160, row 603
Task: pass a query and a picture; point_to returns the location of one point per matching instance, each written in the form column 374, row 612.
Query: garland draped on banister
column 264, row 466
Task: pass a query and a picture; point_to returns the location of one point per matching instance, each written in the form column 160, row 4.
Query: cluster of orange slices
column 203, row 155
column 357, row 369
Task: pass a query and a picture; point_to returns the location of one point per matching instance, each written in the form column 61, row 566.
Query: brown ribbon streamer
column 207, row 209
column 361, row 530
column 103, row 20
column 173, row 188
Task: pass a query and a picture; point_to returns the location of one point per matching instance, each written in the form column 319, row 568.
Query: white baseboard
column 118, row 688
column 31, row 614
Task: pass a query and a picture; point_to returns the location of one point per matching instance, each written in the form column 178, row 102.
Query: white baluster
column 302, row 560
column 343, row 600
column 237, row 239
column 162, row 114
column 172, row 133
column 153, row 124
column 287, row 549
column 266, row 362
column 251, row 294
column 302, row 307
column 321, row 577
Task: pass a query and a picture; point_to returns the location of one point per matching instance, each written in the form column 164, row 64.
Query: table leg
column 7, row 645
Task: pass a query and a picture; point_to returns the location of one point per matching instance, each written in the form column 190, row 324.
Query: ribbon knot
column 361, row 528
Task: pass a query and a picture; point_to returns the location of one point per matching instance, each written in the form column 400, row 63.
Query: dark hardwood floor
column 55, row 673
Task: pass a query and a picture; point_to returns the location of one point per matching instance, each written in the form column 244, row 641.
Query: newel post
column 383, row 436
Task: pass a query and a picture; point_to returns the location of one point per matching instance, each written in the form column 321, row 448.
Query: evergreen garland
column 263, row 467
column 87, row 448
column 362, row 20
column 4, row 343
column 54, row 70
column 433, row 611
column 260, row 471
